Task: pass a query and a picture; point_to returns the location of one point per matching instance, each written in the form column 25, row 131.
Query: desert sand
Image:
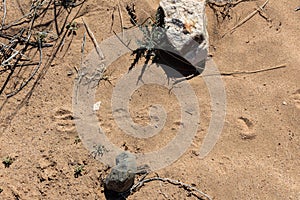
column 256, row 156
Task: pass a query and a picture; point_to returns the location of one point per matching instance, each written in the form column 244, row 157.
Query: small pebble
column 284, row 103
column 70, row 73
column 97, row 106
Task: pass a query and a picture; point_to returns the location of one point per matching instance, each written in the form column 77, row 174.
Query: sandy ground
column 256, row 156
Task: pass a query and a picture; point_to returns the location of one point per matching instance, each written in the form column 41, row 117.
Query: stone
column 185, row 23
column 121, row 177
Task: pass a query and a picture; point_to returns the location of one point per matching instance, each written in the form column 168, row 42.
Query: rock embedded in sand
column 185, row 23
column 121, row 177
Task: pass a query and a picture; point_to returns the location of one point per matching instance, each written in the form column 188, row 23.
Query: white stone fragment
column 97, row 106
column 186, row 28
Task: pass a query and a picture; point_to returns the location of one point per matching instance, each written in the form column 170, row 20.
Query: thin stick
column 248, row 72
column 5, row 62
column 69, row 45
column 226, row 3
column 185, row 186
column 245, row 19
column 121, row 19
column 55, row 19
column 32, row 74
column 20, row 7
column 12, row 69
column 4, row 12
column 8, row 47
column 17, row 21
column 82, row 47
column 34, row 8
column 32, row 12
column 90, row 33
column 112, row 20
column 24, row 40
column 126, row 45
column 262, row 13
column 40, row 75
column 18, row 65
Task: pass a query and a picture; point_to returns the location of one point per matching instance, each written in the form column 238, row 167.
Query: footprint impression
column 296, row 98
column 246, row 127
column 64, row 120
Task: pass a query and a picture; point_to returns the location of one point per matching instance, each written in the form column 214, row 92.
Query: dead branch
column 194, row 191
column 121, row 18
column 90, row 33
column 18, row 65
column 245, row 19
column 82, row 47
column 4, row 12
column 32, row 14
column 32, row 74
column 248, row 72
column 112, row 20
column 217, row 4
column 14, row 55
column 23, row 40
column 20, row 7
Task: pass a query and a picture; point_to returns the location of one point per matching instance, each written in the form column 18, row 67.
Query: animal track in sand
column 64, row 120
column 246, row 127
column 296, row 98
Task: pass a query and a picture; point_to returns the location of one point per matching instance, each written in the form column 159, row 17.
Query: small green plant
column 154, row 35
column 7, row 161
column 107, row 77
column 77, row 140
column 45, row 36
column 78, row 170
column 156, row 46
column 72, row 27
column 41, row 36
column 99, row 151
column 67, row 3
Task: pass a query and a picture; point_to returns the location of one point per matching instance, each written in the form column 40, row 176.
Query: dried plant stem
column 82, row 47
column 245, row 19
column 121, row 19
column 248, row 72
column 90, row 33
column 226, row 3
column 4, row 12
column 185, row 186
column 32, row 74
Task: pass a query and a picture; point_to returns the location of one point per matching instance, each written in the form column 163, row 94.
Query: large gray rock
column 121, row 177
column 185, row 23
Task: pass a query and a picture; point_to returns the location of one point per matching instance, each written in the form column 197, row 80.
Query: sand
column 256, row 156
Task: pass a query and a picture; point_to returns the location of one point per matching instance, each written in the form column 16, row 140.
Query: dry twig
column 121, row 19
column 17, row 52
column 248, row 72
column 112, row 20
column 197, row 193
column 226, row 3
column 82, row 47
column 32, row 74
column 90, row 33
column 4, row 12
column 245, row 19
